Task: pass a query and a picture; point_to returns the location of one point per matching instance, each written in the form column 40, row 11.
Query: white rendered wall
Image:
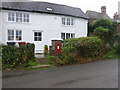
column 50, row 25
column 0, row 26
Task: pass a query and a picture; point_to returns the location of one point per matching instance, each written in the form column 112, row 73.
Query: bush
column 85, row 47
column 101, row 33
column 17, row 56
column 46, row 50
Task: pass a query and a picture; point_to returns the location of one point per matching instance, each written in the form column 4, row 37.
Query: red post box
column 57, row 48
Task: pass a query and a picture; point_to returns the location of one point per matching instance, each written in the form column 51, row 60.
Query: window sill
column 68, row 26
column 18, row 22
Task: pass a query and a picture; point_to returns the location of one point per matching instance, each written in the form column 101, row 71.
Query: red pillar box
column 57, row 48
column 21, row 43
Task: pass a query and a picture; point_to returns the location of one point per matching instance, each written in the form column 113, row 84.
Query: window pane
column 18, row 17
column 37, row 36
column 63, row 20
column 11, row 16
column 18, row 38
column 72, row 22
column 72, row 35
column 18, row 35
column 67, row 21
column 10, row 37
column 26, row 17
column 67, row 35
column 35, row 33
column 63, row 36
column 10, row 34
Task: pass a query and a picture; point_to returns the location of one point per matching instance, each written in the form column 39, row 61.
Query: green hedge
column 84, row 47
column 78, row 49
column 17, row 56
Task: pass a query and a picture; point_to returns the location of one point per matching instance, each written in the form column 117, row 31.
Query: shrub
column 17, row 56
column 101, row 32
column 46, row 49
column 85, row 47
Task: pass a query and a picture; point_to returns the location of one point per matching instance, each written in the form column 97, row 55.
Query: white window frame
column 37, row 36
column 67, row 21
column 10, row 16
column 66, row 35
column 23, row 17
column 14, row 39
column 19, row 17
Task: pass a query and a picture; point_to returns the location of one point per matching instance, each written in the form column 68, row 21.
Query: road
column 101, row 74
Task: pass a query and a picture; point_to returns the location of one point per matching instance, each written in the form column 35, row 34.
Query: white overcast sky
column 94, row 5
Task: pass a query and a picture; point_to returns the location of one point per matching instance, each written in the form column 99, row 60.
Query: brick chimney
column 116, row 16
column 103, row 9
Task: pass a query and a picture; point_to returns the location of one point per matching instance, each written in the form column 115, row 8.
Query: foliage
column 105, row 23
column 111, row 54
column 117, row 49
column 106, row 30
column 102, row 33
column 76, row 48
column 17, row 56
column 46, row 49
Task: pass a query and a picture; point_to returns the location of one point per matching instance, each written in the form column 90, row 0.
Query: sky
column 94, row 5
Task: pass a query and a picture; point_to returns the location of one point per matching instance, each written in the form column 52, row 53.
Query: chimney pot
column 103, row 9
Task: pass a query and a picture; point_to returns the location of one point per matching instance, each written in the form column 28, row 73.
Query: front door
column 38, row 41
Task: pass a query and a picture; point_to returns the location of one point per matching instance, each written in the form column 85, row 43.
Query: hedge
column 78, row 49
column 17, row 56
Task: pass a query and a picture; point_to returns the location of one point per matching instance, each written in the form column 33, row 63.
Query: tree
column 105, row 29
column 101, row 33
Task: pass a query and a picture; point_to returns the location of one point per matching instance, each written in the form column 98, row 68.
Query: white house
column 40, row 22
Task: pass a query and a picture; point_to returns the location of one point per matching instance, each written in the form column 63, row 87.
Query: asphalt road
column 101, row 74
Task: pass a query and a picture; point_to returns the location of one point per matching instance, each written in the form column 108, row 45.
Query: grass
column 30, row 68
column 39, row 61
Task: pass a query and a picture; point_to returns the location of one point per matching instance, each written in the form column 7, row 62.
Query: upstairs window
column 18, row 17
column 11, row 16
column 63, row 21
column 68, row 21
column 26, row 17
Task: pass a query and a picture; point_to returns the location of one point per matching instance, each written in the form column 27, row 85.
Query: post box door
column 58, row 48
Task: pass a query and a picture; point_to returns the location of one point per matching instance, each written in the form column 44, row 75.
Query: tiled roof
column 96, row 15
column 45, row 7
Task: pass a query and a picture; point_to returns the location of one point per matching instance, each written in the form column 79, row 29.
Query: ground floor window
column 37, row 36
column 14, row 35
column 67, row 35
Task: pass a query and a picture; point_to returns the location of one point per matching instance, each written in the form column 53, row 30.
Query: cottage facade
column 40, row 22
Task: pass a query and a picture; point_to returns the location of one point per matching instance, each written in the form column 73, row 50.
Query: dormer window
column 49, row 9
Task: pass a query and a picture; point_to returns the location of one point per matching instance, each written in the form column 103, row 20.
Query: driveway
column 101, row 74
